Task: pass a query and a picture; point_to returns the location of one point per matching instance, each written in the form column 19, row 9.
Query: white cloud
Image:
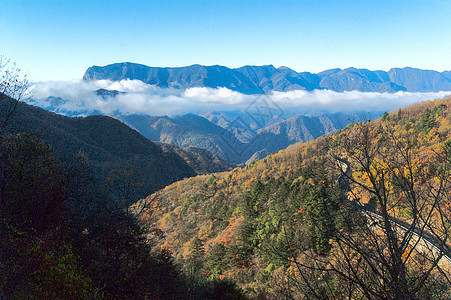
column 352, row 100
column 220, row 95
column 139, row 97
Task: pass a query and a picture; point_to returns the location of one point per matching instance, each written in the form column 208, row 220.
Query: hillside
column 263, row 79
column 301, row 128
column 184, row 132
column 267, row 226
column 106, row 143
column 201, row 160
column 63, row 234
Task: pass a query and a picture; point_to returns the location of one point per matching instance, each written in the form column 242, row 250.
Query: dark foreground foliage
column 61, row 236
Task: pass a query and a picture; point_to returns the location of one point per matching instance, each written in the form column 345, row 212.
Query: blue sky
column 58, row 40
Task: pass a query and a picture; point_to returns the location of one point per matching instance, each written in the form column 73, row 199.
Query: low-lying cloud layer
column 138, row 97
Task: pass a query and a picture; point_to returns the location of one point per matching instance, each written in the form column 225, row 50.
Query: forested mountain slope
column 281, row 227
column 107, row 144
column 65, row 236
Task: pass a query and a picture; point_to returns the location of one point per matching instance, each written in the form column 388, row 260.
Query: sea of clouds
column 139, row 97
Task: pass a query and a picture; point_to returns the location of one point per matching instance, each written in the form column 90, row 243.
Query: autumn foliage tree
column 396, row 176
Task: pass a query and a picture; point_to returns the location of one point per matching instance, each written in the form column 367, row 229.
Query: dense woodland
column 298, row 223
column 64, row 238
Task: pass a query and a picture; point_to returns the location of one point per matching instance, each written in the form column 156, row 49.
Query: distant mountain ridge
column 263, row 79
column 191, row 130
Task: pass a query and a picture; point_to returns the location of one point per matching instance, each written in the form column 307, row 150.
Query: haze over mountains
column 263, row 79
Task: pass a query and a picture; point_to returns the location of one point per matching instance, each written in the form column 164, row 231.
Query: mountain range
column 231, row 140
column 263, row 79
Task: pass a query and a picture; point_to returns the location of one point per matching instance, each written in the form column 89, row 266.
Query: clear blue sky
column 58, row 40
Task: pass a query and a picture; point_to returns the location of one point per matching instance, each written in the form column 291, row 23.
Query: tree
column 13, row 87
column 36, row 259
column 195, row 258
column 395, row 250
column 62, row 237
